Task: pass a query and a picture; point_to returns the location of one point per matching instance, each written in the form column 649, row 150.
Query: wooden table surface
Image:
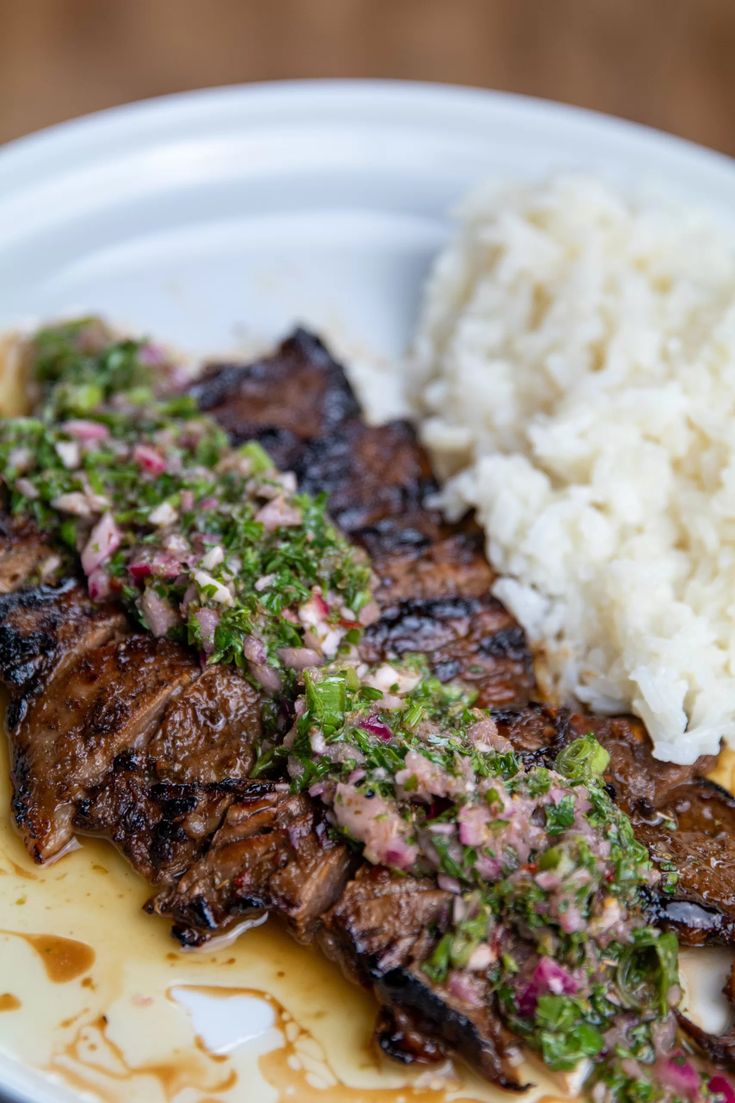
column 670, row 63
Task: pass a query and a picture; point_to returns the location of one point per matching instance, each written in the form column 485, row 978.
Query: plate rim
column 371, row 90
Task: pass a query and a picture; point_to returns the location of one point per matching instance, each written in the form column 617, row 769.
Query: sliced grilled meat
column 381, row 930
column 44, row 629
column 209, row 732
column 407, row 1039
column 90, row 710
column 273, row 852
column 283, row 401
column 370, row 473
column 693, row 832
column 23, row 553
column 474, row 640
column 408, row 568
column 120, row 736
column 160, row 826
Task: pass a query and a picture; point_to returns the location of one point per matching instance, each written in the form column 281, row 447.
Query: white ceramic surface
column 217, row 219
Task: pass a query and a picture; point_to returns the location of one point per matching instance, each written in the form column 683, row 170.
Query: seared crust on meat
column 160, row 826
column 283, row 401
column 104, row 702
column 43, row 629
column 23, row 551
column 273, row 852
column 472, row 640
column 370, row 473
column 209, row 733
column 381, row 930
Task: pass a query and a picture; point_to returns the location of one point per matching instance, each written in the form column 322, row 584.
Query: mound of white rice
column 575, row 372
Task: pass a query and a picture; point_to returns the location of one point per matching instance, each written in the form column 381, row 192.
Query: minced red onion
column 465, row 987
column 481, row 958
column 104, row 539
column 449, row 884
column 267, row 677
column 26, row 487
column 208, row 619
column 163, row 515
column 300, row 658
column 254, row 649
column 20, row 459
column 222, row 595
column 718, row 1085
column 87, row 432
column 69, row 454
column 49, row 565
column 263, row 582
column 74, row 502
column 159, row 613
column 278, row 514
column 157, row 563
column 149, row 460
column 473, row 821
column 548, row 978
column 98, row 584
column 213, row 558
column 376, row 726
column 680, row 1075
column 369, row 614
column 152, row 356
column 186, row 500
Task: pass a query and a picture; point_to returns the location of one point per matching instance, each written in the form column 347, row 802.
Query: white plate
column 219, row 218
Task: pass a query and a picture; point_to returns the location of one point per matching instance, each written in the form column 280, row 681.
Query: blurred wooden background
column 669, row 63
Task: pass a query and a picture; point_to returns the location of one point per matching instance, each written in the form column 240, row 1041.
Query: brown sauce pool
column 64, row 959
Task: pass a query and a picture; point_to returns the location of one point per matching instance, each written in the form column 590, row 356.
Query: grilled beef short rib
column 116, row 734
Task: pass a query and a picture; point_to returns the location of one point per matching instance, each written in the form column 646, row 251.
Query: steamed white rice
column 575, row 372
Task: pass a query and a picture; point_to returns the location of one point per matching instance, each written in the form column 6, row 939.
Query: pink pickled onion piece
column 104, row 539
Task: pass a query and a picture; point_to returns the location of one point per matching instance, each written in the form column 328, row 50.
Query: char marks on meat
column 381, row 930
column 283, row 401
column 22, row 553
column 121, row 735
column 273, row 852
column 105, row 701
